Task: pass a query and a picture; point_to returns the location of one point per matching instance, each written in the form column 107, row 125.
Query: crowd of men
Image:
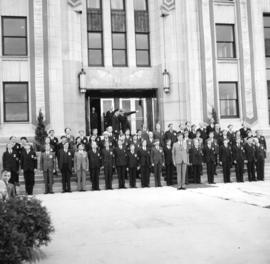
column 136, row 157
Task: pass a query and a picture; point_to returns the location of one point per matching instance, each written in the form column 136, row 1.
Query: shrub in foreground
column 25, row 226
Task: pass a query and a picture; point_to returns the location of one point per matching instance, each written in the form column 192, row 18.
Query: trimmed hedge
column 25, row 226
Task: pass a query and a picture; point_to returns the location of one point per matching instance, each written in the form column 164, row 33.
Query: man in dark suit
column 250, row 156
column 53, row 140
column 108, row 163
column 132, row 166
column 47, row 165
column 144, row 163
column 157, row 160
column 210, row 160
column 195, row 158
column 168, row 162
column 10, row 161
column 210, row 127
column 65, row 165
column 239, row 157
column 94, row 158
column 225, row 158
column 261, row 139
column 29, row 167
column 120, row 163
column 109, row 116
column 116, row 123
column 94, row 118
column 260, row 155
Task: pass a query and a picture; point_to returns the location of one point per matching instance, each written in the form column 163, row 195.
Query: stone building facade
column 215, row 51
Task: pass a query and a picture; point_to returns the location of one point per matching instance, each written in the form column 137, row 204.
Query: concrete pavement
column 223, row 223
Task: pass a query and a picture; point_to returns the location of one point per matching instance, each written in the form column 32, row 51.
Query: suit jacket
column 10, row 161
column 170, row 135
column 239, row 153
column 65, row 157
column 260, row 153
column 225, row 155
column 108, row 158
column 209, row 154
column 157, row 156
column 120, row 157
column 47, row 161
column 144, row 157
column 28, row 161
column 115, row 124
column 250, row 152
column 168, row 156
column 262, row 141
column 94, row 159
column 81, row 161
column 132, row 160
column 180, row 153
column 195, row 156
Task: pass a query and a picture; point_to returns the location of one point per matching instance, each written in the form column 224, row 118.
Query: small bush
column 25, row 226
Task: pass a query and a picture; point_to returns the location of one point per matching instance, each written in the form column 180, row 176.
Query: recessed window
column 142, row 34
column 14, row 36
column 266, row 20
column 16, row 107
column 225, row 41
column 228, row 96
column 95, row 33
column 119, row 41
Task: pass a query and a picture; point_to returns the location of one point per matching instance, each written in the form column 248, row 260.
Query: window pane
column 224, row 33
column 16, row 112
column 95, row 57
column 225, row 50
column 142, row 57
column 140, row 5
column 227, row 91
column 15, row 92
column 142, row 41
column 94, row 40
column 266, row 20
column 93, row 4
column 14, row 46
column 117, row 4
column 14, row 27
column 119, row 57
column 228, row 108
column 119, row 41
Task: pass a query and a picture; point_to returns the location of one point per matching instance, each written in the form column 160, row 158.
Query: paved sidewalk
column 205, row 224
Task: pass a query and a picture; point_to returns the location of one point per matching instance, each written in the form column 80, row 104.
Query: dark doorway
column 95, row 103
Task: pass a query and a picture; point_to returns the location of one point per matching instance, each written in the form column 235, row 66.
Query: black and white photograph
column 134, row 131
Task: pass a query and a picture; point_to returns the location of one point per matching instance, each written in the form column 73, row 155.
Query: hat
column 23, row 138
column 63, row 137
column 50, row 130
column 170, row 124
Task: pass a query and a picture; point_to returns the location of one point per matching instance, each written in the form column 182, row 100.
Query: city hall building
column 171, row 60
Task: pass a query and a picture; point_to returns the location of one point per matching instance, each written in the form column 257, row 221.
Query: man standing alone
column 180, row 160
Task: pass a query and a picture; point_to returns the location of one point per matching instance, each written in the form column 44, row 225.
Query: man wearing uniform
column 170, row 134
column 157, row 160
column 195, row 158
column 239, row 157
column 132, row 166
column 120, row 163
column 225, row 158
column 260, row 155
column 250, row 156
column 108, row 164
column 210, row 160
column 29, row 167
column 65, row 164
column 145, row 164
column 47, row 165
column 94, row 158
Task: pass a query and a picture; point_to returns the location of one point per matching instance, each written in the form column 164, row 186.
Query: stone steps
column 57, row 187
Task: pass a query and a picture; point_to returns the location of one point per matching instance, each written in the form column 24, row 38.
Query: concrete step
column 57, row 187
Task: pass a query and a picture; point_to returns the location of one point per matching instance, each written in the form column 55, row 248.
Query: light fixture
column 82, row 81
column 166, row 81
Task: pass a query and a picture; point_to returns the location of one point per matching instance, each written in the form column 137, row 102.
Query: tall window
column 228, row 96
column 268, row 90
column 225, row 38
column 119, row 34
column 16, row 107
column 14, row 36
column 266, row 20
column 95, row 33
column 142, row 33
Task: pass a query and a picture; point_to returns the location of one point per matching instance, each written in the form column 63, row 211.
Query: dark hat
column 24, row 138
column 63, row 137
